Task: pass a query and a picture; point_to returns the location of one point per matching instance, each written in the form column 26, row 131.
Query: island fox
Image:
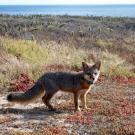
column 78, row 83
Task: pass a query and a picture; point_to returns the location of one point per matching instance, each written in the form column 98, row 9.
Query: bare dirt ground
column 111, row 112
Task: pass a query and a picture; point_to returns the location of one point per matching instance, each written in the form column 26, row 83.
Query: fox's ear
column 85, row 65
column 98, row 65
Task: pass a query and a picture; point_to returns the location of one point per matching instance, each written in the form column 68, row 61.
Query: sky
column 54, row 2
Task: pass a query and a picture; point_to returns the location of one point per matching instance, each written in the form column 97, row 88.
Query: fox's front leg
column 83, row 100
column 76, row 101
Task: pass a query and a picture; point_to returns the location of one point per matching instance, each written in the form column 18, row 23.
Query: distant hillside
column 28, row 27
column 116, row 35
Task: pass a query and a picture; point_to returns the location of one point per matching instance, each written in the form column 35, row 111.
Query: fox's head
column 91, row 72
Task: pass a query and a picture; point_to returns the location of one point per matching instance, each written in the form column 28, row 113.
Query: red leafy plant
column 55, row 130
column 58, row 130
column 23, row 83
column 122, row 109
column 81, row 118
column 124, row 80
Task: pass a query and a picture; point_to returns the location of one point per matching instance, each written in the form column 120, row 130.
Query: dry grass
column 29, row 57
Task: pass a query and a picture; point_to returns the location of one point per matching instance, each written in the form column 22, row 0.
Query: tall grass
column 113, row 65
column 66, row 54
column 29, row 51
column 21, row 56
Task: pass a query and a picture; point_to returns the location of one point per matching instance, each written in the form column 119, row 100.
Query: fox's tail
column 37, row 91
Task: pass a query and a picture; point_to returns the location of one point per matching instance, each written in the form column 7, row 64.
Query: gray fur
column 61, row 81
column 48, row 84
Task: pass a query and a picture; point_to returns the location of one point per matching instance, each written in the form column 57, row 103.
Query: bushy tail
column 35, row 92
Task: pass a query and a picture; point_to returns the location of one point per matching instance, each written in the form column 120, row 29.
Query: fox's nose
column 92, row 78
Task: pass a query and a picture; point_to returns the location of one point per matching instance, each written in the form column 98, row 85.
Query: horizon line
column 66, row 4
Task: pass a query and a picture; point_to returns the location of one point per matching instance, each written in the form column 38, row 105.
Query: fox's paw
column 86, row 107
column 78, row 109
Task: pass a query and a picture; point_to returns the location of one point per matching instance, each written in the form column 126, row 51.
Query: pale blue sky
column 54, row 2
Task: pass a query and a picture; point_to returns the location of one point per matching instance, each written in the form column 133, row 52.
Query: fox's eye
column 95, row 73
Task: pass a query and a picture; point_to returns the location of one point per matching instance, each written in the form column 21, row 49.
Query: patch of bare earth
column 111, row 111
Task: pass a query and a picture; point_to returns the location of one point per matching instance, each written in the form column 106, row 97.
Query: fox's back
column 62, row 80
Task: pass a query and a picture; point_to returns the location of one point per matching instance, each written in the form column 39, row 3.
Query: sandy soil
column 111, row 107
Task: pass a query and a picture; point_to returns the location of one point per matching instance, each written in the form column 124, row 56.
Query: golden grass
column 21, row 56
column 66, row 54
column 29, row 51
column 103, row 44
column 113, row 65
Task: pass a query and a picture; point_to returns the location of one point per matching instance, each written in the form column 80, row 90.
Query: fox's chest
column 85, row 85
column 85, row 88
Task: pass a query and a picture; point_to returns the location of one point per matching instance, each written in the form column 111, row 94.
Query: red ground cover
column 23, row 83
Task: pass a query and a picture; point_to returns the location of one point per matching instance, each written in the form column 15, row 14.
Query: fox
column 78, row 83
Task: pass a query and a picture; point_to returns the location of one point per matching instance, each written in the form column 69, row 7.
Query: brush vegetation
column 37, row 43
column 32, row 58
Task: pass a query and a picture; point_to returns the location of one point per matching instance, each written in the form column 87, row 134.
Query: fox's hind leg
column 46, row 99
column 51, row 88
